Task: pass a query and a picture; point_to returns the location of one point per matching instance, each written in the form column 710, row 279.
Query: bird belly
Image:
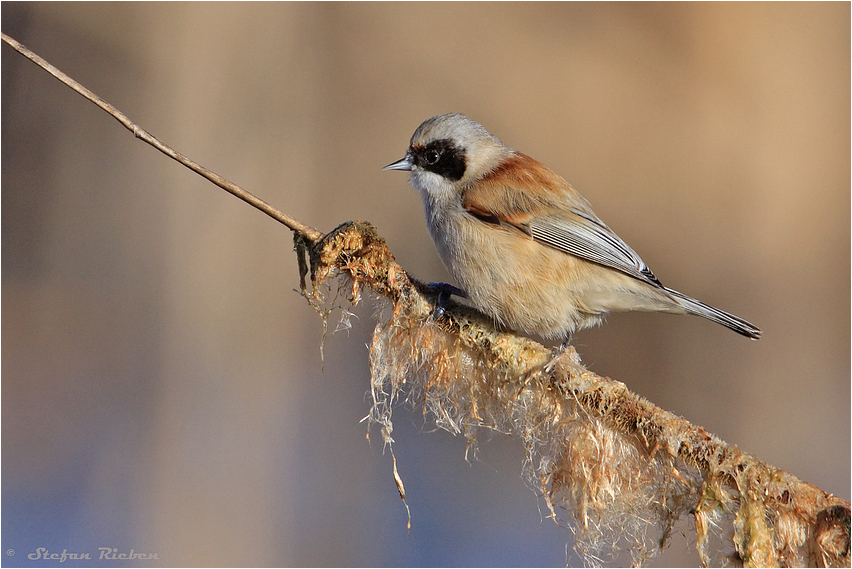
column 535, row 289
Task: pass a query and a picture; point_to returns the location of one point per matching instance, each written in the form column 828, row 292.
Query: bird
column 524, row 246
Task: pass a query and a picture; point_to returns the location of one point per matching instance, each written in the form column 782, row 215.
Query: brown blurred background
column 161, row 382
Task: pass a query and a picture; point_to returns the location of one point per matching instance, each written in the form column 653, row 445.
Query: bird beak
column 404, row 163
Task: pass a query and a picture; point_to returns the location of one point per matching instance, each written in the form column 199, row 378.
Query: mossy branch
column 624, row 469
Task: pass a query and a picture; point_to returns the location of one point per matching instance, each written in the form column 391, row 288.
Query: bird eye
column 432, row 157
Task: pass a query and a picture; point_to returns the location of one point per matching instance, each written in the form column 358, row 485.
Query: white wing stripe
column 593, row 241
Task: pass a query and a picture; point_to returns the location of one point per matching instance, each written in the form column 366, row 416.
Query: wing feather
column 526, row 195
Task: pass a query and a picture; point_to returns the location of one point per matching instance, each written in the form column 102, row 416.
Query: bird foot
column 445, row 291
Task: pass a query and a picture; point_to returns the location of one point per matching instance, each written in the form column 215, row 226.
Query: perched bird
column 525, row 247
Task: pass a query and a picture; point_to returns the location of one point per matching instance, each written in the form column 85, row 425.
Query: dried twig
column 624, row 469
column 144, row 135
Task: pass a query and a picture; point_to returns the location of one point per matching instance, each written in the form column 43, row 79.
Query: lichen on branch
column 622, row 469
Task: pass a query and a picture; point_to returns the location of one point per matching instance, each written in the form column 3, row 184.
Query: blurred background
column 162, row 388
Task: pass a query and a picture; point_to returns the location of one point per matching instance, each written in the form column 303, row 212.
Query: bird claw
column 445, row 291
column 438, row 312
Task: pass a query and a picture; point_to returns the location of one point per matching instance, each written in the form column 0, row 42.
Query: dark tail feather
column 735, row 323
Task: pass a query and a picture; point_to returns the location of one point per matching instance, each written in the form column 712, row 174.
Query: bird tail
column 698, row 308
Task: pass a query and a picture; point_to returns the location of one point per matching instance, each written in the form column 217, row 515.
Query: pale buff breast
column 535, row 289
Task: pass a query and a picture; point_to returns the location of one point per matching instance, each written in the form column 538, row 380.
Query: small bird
column 525, row 247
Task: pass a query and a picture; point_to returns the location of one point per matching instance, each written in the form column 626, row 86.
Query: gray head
column 453, row 148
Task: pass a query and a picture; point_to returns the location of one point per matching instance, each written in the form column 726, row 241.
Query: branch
column 624, row 469
column 308, row 232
